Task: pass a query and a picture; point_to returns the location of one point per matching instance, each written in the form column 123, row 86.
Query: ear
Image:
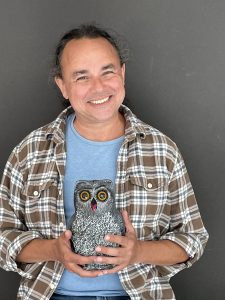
column 123, row 68
column 61, row 85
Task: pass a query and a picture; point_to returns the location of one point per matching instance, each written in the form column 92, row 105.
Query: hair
column 87, row 31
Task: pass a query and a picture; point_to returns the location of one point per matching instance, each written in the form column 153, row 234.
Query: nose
column 97, row 84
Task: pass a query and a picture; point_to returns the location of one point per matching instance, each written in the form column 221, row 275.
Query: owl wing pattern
column 89, row 232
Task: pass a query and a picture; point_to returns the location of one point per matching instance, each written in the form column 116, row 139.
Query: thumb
column 127, row 222
column 67, row 235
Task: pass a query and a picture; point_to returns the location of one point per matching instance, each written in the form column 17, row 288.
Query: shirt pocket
column 41, row 205
column 148, row 205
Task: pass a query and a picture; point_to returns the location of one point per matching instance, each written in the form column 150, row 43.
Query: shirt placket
column 60, row 157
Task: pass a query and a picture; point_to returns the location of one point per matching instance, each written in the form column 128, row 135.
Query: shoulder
column 146, row 139
column 33, row 140
column 51, row 131
column 157, row 137
column 152, row 149
column 148, row 134
column 42, row 140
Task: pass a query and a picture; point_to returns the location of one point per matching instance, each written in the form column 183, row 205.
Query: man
column 97, row 138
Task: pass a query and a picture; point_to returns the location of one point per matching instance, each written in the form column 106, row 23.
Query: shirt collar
column 133, row 127
column 56, row 129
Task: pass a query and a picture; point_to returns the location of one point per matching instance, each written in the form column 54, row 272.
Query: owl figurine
column 95, row 216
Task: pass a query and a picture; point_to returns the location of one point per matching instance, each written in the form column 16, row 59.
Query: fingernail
column 107, row 238
column 98, row 259
column 98, row 249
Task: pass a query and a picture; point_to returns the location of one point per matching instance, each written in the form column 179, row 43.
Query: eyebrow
column 82, row 72
column 109, row 66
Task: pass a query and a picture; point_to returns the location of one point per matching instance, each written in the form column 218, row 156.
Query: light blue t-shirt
column 88, row 160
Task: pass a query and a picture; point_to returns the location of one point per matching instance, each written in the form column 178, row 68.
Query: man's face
column 92, row 80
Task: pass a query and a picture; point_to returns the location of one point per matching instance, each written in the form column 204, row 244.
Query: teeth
column 100, row 101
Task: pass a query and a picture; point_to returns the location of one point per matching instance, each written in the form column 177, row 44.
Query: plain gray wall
column 175, row 81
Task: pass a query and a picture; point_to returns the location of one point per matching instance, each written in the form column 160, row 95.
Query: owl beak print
column 95, row 216
column 93, row 205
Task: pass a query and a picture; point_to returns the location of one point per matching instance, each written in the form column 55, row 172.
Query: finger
column 94, row 273
column 71, row 257
column 110, row 251
column 83, row 273
column 127, row 222
column 123, row 241
column 116, row 269
column 83, row 260
column 66, row 239
column 110, row 260
column 117, row 239
column 66, row 235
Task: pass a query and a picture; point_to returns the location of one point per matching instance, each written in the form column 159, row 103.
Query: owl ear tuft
column 80, row 183
column 108, row 182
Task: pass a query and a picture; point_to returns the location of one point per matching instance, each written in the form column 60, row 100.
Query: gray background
column 175, row 81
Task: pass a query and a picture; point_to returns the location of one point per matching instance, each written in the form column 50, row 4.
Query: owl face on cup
column 94, row 195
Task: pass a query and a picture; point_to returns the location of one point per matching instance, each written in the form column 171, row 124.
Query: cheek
column 121, row 89
column 77, row 93
column 118, row 86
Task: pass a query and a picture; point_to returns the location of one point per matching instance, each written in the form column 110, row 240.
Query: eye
column 108, row 72
column 102, row 195
column 82, row 78
column 85, row 195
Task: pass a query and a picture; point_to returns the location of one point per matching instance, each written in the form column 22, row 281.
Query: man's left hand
column 124, row 255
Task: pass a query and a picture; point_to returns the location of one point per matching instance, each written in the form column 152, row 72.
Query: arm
column 13, row 231
column 133, row 251
column 181, row 246
column 18, row 245
column 186, row 226
column 39, row 250
column 161, row 253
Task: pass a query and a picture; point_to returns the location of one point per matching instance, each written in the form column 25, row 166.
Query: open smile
column 100, row 101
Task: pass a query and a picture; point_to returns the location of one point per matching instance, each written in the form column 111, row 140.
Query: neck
column 101, row 131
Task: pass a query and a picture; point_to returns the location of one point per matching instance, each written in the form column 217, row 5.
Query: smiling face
column 92, row 80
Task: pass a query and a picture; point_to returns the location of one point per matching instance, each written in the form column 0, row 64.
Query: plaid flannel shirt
column 152, row 184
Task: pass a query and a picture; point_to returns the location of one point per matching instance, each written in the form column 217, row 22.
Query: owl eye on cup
column 95, row 216
column 101, row 195
column 85, row 195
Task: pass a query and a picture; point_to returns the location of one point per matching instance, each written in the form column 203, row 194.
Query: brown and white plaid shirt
column 152, row 184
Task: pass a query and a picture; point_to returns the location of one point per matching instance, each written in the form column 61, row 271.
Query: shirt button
column 149, row 185
column 35, row 193
column 60, row 192
column 52, row 286
column 61, row 224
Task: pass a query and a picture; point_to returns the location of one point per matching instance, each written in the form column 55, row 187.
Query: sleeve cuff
column 14, row 249
column 191, row 243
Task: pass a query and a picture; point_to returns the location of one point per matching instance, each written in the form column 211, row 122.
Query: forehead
column 86, row 50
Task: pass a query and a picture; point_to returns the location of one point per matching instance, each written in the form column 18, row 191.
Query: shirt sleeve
column 13, row 231
column 186, row 226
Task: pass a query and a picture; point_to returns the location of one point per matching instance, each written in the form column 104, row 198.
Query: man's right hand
column 39, row 250
column 73, row 262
